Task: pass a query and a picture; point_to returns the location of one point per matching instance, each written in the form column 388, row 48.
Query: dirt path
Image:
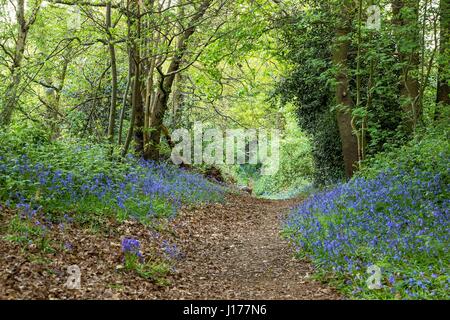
column 229, row 251
column 234, row 251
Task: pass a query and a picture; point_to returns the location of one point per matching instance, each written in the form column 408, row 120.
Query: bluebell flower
column 131, row 246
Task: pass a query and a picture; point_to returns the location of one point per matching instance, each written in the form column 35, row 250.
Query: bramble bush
column 394, row 214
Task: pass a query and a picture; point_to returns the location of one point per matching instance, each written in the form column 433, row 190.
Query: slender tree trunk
column 54, row 98
column 408, row 42
column 138, row 103
column 177, row 100
column 176, row 96
column 443, row 89
column 112, row 53
column 149, row 90
column 11, row 94
column 137, row 110
column 139, row 115
column 125, row 98
column 147, row 109
column 166, row 83
column 156, row 122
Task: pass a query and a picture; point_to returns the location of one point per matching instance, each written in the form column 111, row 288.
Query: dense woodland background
column 92, row 90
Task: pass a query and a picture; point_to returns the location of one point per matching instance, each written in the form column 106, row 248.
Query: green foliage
column 83, row 179
column 29, row 231
column 423, row 153
column 394, row 214
column 151, row 270
column 307, row 38
column 308, row 86
column 380, row 103
column 295, row 170
column 54, row 160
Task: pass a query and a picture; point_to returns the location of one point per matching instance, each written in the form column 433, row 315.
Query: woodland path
column 234, row 250
column 230, row 250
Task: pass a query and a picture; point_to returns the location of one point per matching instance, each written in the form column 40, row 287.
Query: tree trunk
column 156, row 122
column 138, row 104
column 112, row 53
column 125, row 98
column 53, row 98
column 177, row 100
column 408, row 40
column 344, row 100
column 137, row 109
column 166, row 82
column 11, row 94
column 149, row 91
